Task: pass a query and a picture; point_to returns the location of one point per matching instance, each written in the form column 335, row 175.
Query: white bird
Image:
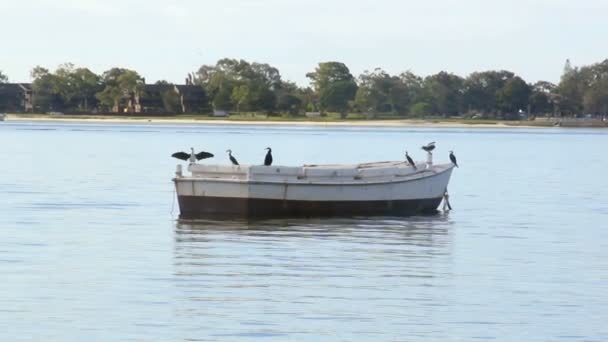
column 192, row 157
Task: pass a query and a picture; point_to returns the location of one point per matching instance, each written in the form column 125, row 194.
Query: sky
column 168, row 39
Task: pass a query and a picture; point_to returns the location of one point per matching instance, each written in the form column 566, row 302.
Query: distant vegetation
column 240, row 86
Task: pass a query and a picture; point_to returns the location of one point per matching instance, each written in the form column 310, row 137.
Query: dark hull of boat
column 200, row 207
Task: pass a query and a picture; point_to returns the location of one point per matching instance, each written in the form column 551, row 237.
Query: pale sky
column 167, row 39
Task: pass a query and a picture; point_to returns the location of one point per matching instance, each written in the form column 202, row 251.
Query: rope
column 173, row 204
column 446, row 201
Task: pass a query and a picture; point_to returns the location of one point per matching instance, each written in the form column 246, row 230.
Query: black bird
column 429, row 147
column 268, row 158
column 453, row 158
column 232, row 159
column 410, row 160
column 192, row 157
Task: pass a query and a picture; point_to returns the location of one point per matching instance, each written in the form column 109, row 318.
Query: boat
column 2, row 116
column 389, row 188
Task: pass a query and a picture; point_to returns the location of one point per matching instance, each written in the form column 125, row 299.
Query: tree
column 337, row 95
column 231, row 76
column 513, row 96
column 420, row 109
column 86, row 85
column 335, row 86
column 46, row 86
column 290, row 97
column 481, row 90
column 240, row 95
column 366, row 100
column 373, row 94
column 223, row 99
column 446, row 93
column 542, row 98
column 595, row 99
column 121, row 88
column 77, row 86
column 583, row 88
column 3, row 78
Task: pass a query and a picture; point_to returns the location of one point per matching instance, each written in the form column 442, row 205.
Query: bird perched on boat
column 192, row 157
column 268, row 158
column 232, row 159
column 453, row 158
column 429, row 147
column 410, row 160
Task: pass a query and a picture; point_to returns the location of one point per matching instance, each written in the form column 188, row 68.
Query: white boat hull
column 396, row 189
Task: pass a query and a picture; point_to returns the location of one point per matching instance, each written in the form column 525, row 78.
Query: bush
column 420, row 109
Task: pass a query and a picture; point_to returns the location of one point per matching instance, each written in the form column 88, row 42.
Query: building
column 154, row 99
column 16, row 97
column 170, row 99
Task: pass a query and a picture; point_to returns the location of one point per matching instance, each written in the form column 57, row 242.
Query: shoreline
column 414, row 123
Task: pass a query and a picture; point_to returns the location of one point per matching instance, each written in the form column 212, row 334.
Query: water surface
column 90, row 248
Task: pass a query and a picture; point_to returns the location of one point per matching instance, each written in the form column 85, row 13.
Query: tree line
column 241, row 86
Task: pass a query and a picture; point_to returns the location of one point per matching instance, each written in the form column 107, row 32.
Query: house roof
column 14, row 88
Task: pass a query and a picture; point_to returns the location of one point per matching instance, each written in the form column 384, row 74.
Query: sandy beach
column 213, row 121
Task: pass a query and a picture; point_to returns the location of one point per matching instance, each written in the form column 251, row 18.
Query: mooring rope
column 446, row 200
column 173, row 203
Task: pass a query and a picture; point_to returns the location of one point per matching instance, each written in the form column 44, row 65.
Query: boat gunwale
column 448, row 167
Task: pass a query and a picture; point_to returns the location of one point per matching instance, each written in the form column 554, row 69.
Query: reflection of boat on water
column 380, row 188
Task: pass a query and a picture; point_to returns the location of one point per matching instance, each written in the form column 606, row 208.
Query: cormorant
column 410, row 160
column 429, row 147
column 232, row 159
column 192, row 157
column 268, row 158
column 453, row 158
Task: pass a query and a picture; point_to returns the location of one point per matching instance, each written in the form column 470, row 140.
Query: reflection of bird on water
column 453, row 158
column 410, row 160
column 192, row 157
column 429, row 147
column 232, row 159
column 268, row 158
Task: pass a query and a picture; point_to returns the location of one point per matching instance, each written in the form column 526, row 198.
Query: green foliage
column 420, row 109
column 482, row 89
column 223, row 99
column 337, row 96
column 595, row 99
column 46, row 87
column 240, row 96
column 543, row 97
column 514, row 95
column 334, row 85
column 258, row 87
column 584, row 89
column 289, row 103
column 231, row 82
column 121, row 87
column 446, row 93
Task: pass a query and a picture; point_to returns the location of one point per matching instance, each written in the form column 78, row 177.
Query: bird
column 410, row 160
column 232, row 159
column 429, row 147
column 453, row 158
column 268, row 158
column 192, row 157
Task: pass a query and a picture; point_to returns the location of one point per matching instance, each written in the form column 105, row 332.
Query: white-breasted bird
column 232, row 159
column 192, row 157
column 410, row 160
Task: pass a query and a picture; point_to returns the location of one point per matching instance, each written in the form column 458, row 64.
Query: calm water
column 90, row 248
